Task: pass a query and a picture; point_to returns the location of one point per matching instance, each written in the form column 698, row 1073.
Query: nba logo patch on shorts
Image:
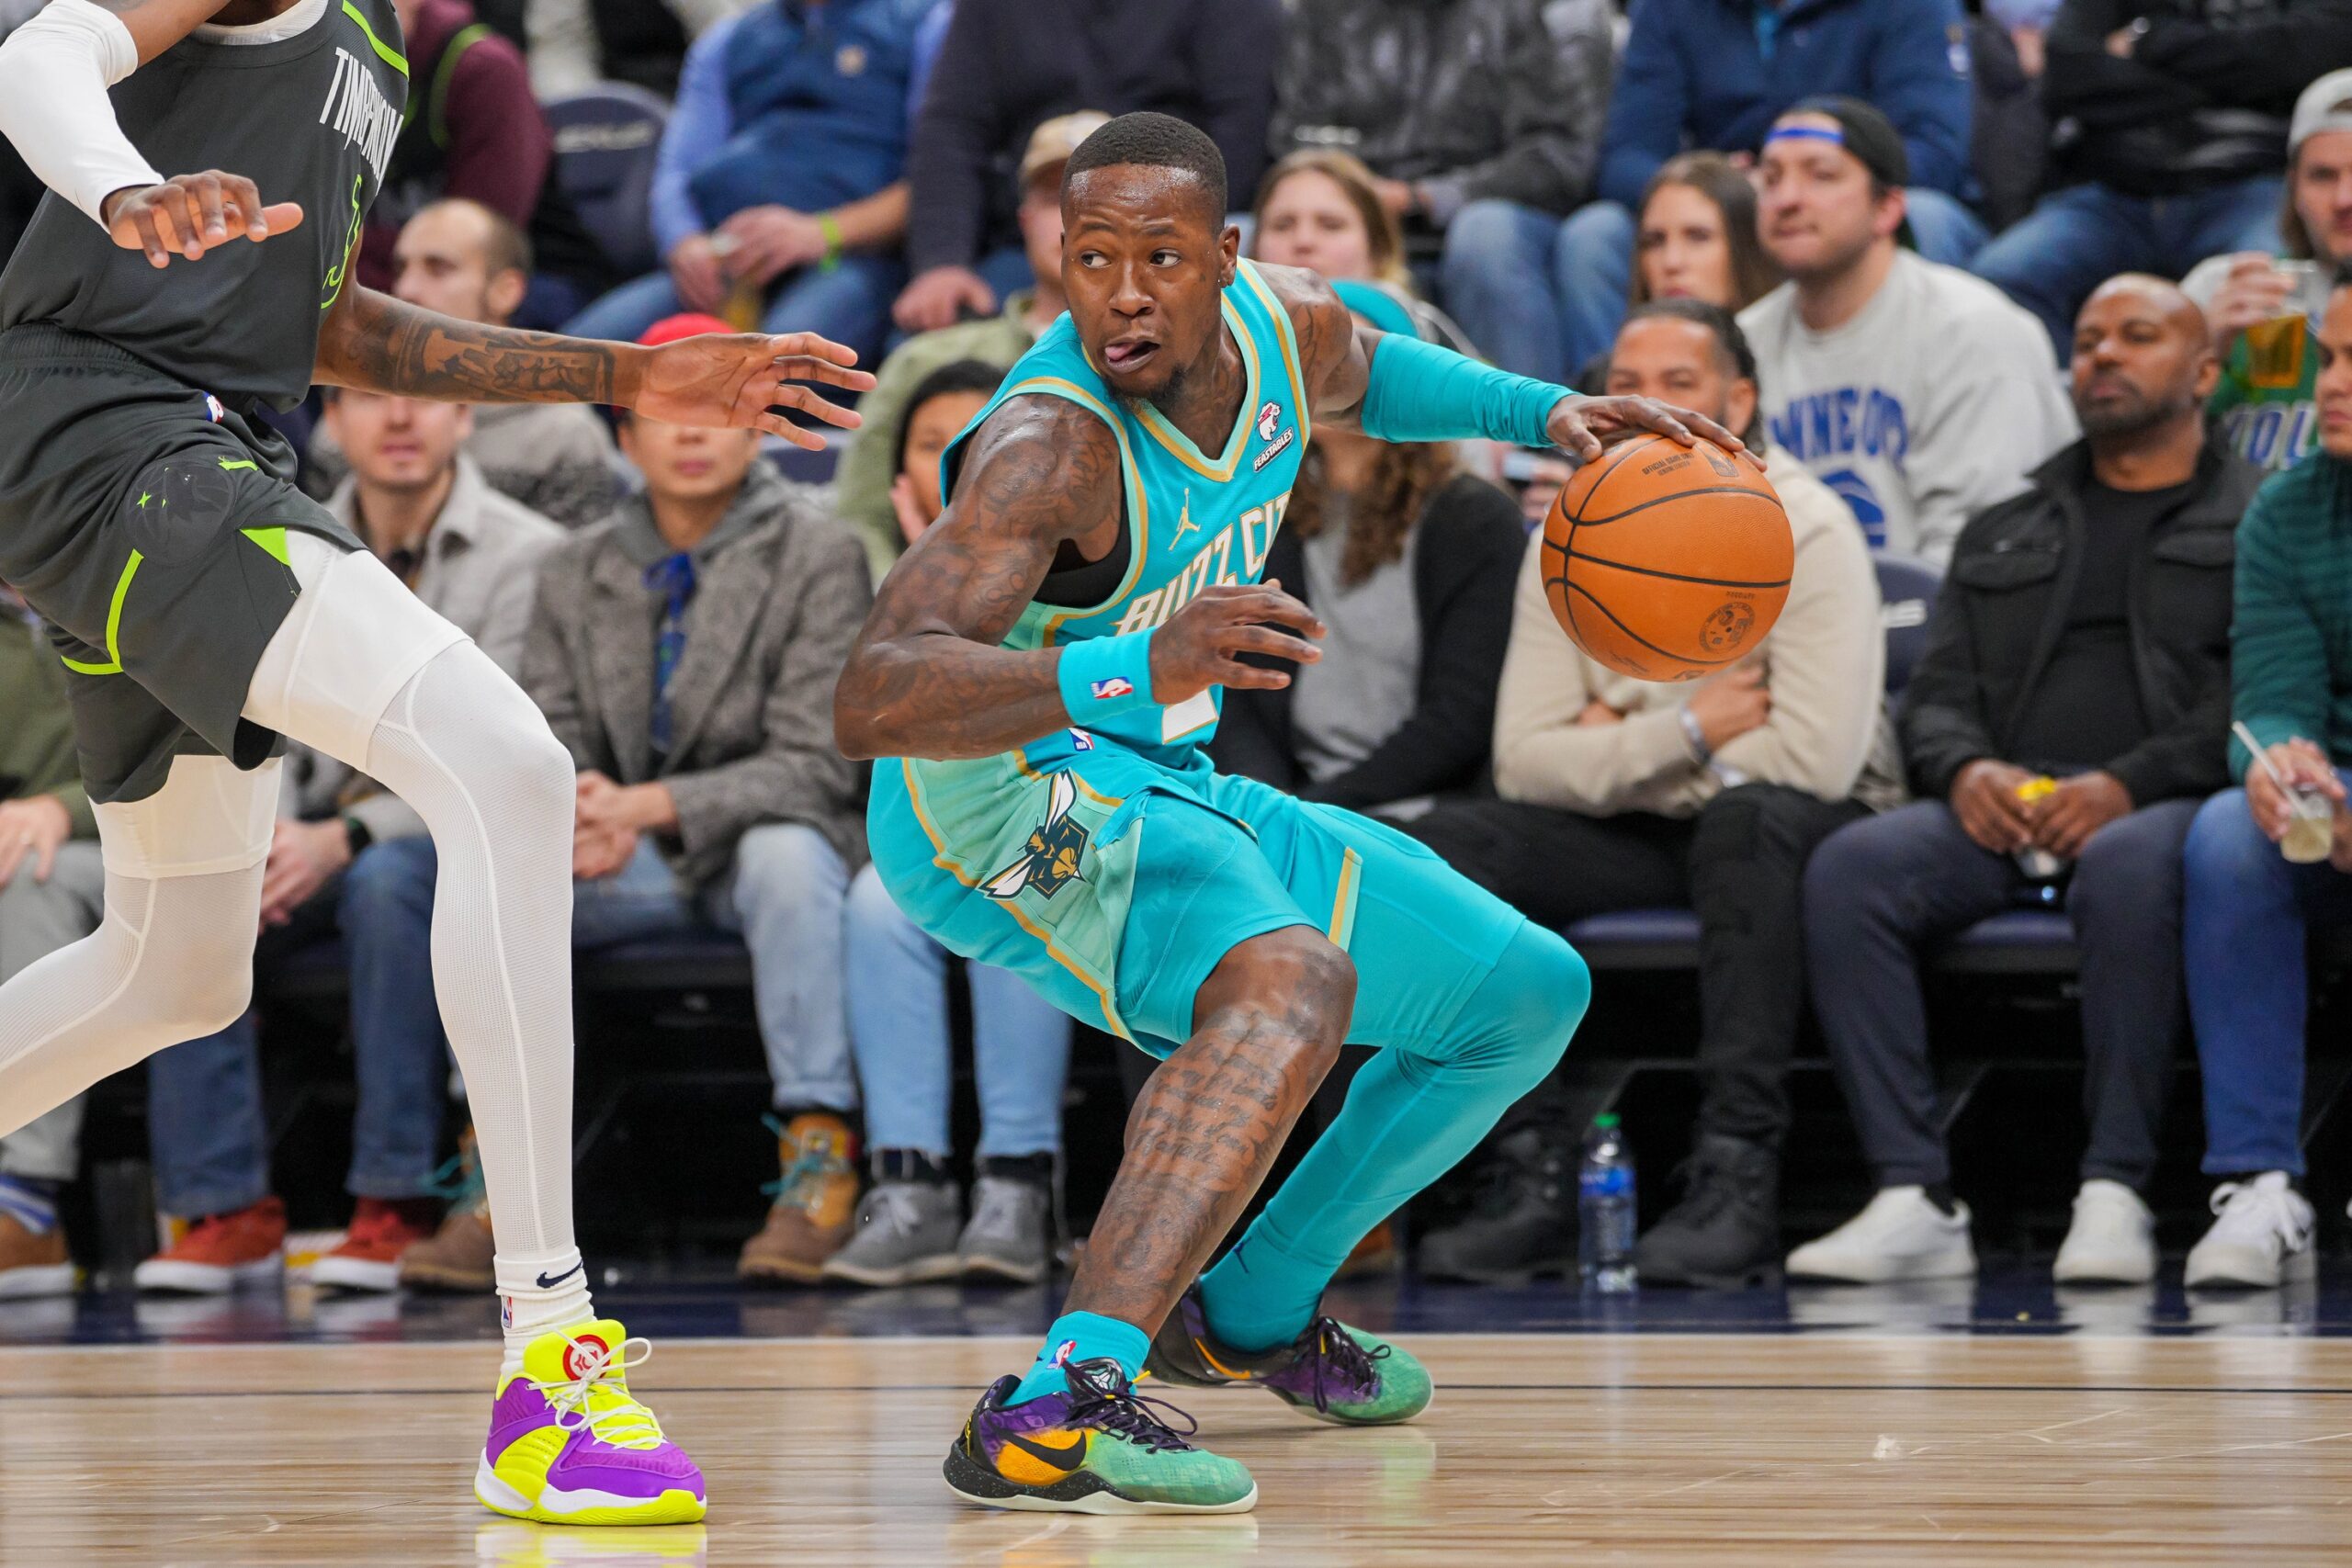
column 212, row 408
column 1112, row 686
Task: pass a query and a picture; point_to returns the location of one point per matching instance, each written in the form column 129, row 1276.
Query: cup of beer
column 2311, row 826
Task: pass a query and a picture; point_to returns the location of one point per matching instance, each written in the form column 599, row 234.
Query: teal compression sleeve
column 1419, row 391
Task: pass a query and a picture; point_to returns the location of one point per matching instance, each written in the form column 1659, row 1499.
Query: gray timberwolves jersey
column 309, row 118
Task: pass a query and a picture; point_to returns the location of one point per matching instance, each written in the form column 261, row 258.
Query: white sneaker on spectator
column 1901, row 1235
column 2261, row 1235
column 2112, row 1240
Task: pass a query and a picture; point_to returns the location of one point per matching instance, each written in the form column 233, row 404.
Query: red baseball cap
column 691, row 323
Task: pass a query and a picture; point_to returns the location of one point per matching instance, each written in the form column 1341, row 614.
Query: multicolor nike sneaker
column 1331, row 1372
column 1098, row 1448
column 568, row 1444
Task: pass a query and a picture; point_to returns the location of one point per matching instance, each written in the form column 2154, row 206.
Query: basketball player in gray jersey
column 206, row 608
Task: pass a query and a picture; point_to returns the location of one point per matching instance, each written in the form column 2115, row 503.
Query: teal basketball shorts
column 1116, row 890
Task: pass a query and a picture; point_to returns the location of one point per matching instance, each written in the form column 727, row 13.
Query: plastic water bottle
column 1605, row 1208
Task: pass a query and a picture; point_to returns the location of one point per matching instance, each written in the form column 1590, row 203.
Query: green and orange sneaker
column 1331, row 1372
column 1098, row 1448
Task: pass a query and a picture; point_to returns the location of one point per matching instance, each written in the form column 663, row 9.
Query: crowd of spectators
column 2038, row 294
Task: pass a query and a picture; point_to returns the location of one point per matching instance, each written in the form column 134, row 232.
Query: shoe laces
column 2266, row 1209
column 458, row 1180
column 892, row 1204
column 1334, row 1354
column 1110, row 1403
column 597, row 1401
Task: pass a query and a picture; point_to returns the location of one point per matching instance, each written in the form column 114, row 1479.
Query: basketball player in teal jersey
column 206, row 606
column 1037, row 678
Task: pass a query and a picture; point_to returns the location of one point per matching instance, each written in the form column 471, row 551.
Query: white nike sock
column 539, row 1295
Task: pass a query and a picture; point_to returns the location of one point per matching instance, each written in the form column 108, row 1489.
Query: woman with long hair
column 1319, row 208
column 1695, row 236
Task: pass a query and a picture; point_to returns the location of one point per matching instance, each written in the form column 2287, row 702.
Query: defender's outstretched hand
column 1582, row 425
column 741, row 379
column 190, row 214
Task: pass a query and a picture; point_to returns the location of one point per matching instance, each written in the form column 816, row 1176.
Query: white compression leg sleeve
column 461, row 743
column 173, row 958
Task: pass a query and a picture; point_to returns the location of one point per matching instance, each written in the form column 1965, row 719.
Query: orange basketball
column 1668, row 562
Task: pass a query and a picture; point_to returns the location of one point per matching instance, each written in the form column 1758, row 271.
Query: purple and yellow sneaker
column 568, row 1444
column 1095, row 1450
column 1331, row 1372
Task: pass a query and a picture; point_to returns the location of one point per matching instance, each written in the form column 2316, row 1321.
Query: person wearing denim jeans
column 910, row 1227
column 2249, row 909
column 2169, row 140
column 2250, row 915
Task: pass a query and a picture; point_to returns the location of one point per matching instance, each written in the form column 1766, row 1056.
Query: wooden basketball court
column 1638, row 1447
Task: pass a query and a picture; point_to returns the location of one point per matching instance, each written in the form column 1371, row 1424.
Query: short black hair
column 1157, row 141
column 955, row 375
column 1732, row 346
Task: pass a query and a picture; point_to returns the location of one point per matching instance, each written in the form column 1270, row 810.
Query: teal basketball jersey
column 1193, row 519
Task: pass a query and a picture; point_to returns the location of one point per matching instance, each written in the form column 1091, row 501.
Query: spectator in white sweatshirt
column 1920, row 394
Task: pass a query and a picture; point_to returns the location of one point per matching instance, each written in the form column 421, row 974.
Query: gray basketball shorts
column 146, row 523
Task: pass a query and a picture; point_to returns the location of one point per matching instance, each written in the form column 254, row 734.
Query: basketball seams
column 1680, row 577
column 1774, row 501
column 1683, row 659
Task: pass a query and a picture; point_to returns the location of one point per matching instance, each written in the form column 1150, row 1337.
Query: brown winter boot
column 816, row 1202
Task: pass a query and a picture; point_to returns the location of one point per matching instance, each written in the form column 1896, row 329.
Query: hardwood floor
column 1540, row 1448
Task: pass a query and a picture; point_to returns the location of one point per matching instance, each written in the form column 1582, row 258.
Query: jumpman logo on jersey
column 1184, row 523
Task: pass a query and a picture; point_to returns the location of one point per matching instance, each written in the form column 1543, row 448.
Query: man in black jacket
column 2069, row 713
column 1007, row 67
column 1616, row 794
column 2168, row 129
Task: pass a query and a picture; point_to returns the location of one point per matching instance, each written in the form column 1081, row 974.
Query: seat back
column 1907, row 590
column 605, row 140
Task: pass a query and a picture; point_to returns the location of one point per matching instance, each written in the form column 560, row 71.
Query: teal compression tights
column 1411, row 1115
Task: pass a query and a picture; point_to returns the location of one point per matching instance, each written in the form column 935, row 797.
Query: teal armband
column 1419, row 391
column 1105, row 676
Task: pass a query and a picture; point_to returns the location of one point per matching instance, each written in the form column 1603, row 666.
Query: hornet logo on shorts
column 1055, row 849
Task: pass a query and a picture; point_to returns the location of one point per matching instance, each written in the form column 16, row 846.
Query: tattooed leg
column 1267, row 1026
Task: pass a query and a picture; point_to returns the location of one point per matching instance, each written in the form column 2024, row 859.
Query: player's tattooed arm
column 926, row 677
column 375, row 343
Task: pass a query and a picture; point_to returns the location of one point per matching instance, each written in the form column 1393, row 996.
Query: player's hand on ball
column 740, row 381
column 1581, row 426
column 190, row 214
column 1202, row 643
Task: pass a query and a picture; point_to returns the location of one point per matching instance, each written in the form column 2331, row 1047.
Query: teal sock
column 1083, row 1336
column 1408, row 1117
column 1260, row 1296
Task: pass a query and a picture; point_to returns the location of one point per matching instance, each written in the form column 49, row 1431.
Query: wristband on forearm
column 1417, row 391
column 1694, row 736
column 831, row 228
column 1104, row 677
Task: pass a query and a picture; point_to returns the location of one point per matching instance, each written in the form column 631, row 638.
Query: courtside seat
column 699, row 963
column 2022, row 942
column 605, row 140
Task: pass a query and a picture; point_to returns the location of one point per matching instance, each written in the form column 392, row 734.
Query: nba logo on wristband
column 1113, row 686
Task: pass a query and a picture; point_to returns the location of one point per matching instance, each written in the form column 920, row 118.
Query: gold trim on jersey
column 1179, row 445
column 1287, row 337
